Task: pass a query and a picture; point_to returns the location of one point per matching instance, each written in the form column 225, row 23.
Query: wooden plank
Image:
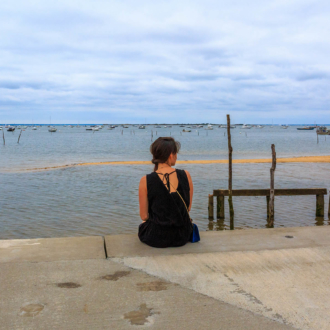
column 266, row 192
column 319, row 205
column 211, row 207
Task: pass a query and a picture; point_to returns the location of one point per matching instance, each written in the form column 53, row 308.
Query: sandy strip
column 306, row 159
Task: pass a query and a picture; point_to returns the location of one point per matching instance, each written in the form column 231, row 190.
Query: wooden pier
column 221, row 193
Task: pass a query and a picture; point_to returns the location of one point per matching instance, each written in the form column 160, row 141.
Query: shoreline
column 301, row 159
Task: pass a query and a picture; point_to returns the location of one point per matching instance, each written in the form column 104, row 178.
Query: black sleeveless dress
column 169, row 224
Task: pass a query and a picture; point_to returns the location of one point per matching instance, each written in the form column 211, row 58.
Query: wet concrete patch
column 140, row 316
column 152, row 286
column 116, row 276
column 31, row 310
column 68, row 285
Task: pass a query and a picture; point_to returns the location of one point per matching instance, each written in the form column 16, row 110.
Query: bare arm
column 143, row 199
column 191, row 189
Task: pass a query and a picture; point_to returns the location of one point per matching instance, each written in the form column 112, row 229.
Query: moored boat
column 305, row 128
column 322, row 130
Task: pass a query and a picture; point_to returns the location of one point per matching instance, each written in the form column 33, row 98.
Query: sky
column 165, row 61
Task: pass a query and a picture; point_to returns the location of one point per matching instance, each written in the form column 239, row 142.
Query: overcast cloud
column 165, row 61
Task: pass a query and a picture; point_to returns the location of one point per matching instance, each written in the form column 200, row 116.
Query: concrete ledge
column 225, row 241
column 52, row 249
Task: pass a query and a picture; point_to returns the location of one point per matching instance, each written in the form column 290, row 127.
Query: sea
column 39, row 200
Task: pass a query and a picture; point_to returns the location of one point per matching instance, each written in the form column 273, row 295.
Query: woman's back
column 169, row 223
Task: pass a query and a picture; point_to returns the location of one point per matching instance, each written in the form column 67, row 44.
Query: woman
column 165, row 197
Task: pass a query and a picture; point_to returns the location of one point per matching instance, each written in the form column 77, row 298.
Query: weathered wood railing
column 221, row 193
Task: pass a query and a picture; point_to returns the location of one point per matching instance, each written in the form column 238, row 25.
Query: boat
column 95, row 129
column 52, row 130
column 244, row 126
column 181, row 126
column 158, row 126
column 284, row 126
column 125, row 126
column 305, row 128
column 260, row 126
column 186, row 130
column 169, row 126
column 142, row 127
column 34, row 128
column 89, row 128
column 10, row 129
column 225, row 126
column 209, row 127
column 322, row 130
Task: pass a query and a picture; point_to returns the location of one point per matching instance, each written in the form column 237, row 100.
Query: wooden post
column 329, row 206
column 19, row 136
column 220, row 207
column 319, row 205
column 267, row 199
column 3, row 137
column 272, row 193
column 230, row 176
column 211, row 207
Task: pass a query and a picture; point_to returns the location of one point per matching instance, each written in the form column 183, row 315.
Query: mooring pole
column 19, row 136
column 3, row 137
column 230, row 176
column 272, row 189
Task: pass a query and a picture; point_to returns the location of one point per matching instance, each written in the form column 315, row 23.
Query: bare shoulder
column 143, row 181
column 188, row 174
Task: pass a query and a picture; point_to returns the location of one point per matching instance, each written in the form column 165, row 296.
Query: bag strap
column 182, row 200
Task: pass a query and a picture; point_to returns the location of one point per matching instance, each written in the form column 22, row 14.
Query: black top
column 169, row 223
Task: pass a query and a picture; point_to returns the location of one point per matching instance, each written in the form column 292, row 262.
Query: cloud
column 179, row 60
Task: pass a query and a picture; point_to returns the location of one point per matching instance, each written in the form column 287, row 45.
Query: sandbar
column 304, row 159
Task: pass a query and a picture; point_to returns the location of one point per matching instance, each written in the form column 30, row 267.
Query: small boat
column 10, row 129
column 169, row 126
column 246, row 126
column 34, row 128
column 95, row 129
column 142, row 127
column 260, row 126
column 0, row 128
column 284, row 126
column 181, row 126
column 186, row 130
column 89, row 128
column 322, row 130
column 52, row 130
column 306, row 128
column 209, row 127
column 125, row 126
column 158, row 126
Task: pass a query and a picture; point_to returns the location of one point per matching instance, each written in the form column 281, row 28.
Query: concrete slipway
column 245, row 279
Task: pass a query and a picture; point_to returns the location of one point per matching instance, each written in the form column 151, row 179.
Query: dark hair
column 162, row 148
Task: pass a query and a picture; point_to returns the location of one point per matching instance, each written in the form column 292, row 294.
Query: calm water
column 98, row 200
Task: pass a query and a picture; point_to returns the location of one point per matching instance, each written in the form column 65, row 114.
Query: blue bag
column 195, row 234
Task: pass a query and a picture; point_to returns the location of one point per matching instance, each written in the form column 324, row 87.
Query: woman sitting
column 165, row 197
